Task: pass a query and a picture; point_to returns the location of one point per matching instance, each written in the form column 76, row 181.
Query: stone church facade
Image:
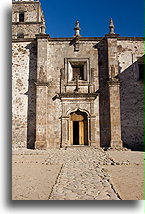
column 85, row 91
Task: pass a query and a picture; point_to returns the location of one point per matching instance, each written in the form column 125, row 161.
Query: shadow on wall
column 104, row 100
column 131, row 99
column 31, row 125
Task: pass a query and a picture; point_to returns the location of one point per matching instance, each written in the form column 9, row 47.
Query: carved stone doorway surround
column 78, row 128
column 87, row 135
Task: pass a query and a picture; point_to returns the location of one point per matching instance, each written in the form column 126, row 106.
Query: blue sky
column 93, row 16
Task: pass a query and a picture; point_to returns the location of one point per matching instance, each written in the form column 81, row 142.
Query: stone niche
column 72, row 65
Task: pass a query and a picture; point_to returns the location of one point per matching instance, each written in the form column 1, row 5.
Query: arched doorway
column 78, row 128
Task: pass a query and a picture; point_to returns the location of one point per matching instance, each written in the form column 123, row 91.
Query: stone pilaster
column 114, row 91
column 41, row 93
column 41, row 117
column 115, row 122
column 64, row 131
column 93, row 139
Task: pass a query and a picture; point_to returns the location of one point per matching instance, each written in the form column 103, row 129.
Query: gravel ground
column 127, row 176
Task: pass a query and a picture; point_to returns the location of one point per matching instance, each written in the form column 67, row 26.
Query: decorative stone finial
column 111, row 27
column 43, row 27
column 77, row 29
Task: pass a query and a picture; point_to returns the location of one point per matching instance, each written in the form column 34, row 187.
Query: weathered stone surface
column 81, row 177
column 23, row 93
column 31, row 178
column 130, row 54
column 33, row 18
column 45, row 94
column 81, row 173
column 114, row 93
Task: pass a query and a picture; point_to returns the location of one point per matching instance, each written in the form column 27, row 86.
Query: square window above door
column 78, row 71
column 77, row 68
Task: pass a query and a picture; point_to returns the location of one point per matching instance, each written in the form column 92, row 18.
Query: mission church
column 78, row 91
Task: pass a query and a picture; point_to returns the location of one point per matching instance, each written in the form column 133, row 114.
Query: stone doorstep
column 42, row 145
column 77, row 146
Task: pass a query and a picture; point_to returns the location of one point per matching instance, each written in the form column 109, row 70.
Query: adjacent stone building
column 85, row 91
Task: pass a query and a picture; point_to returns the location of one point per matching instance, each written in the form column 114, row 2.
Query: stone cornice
column 25, row 2
column 111, row 35
column 26, row 23
column 81, row 39
column 23, row 40
column 93, row 39
column 131, row 38
column 96, row 38
column 42, row 36
column 42, row 83
column 78, row 95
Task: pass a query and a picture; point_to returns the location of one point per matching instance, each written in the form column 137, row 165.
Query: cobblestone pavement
column 77, row 173
column 82, row 176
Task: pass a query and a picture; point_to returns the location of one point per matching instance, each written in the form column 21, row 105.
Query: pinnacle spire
column 111, row 27
column 77, row 29
column 43, row 26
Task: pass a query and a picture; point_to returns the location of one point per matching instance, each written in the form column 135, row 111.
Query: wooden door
column 81, row 132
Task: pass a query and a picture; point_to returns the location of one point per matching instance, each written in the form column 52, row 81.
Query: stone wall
column 104, row 105
column 131, row 89
column 31, row 9
column 23, row 93
column 57, row 53
column 27, row 30
column 33, row 17
column 25, row 73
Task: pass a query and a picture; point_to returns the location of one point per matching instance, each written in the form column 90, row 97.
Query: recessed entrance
column 76, row 132
column 78, row 128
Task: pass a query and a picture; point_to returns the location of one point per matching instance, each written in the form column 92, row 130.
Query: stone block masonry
column 57, row 81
